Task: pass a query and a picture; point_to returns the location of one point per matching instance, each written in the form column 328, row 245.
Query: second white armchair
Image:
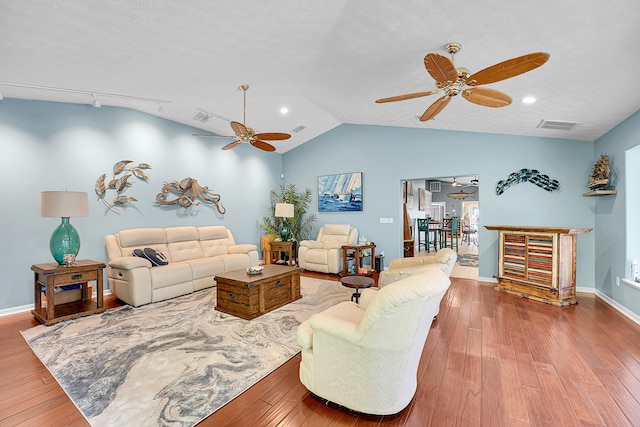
column 325, row 253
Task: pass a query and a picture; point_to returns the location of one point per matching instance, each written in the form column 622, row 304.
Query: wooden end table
column 287, row 247
column 356, row 282
column 356, row 253
column 50, row 275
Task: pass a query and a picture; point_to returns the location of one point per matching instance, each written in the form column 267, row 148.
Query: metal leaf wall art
column 122, row 171
column 187, row 191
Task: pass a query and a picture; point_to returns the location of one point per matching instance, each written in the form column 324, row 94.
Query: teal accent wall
column 53, row 146
column 612, row 215
column 388, row 155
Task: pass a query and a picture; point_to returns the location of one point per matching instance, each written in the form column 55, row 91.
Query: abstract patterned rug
column 468, row 260
column 173, row 362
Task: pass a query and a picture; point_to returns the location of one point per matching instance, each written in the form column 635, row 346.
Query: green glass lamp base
column 285, row 231
column 64, row 241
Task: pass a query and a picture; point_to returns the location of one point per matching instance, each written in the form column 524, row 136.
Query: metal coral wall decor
column 187, row 191
column 120, row 181
column 524, row 175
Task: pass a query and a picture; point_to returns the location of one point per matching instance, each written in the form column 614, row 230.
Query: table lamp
column 65, row 241
column 284, row 210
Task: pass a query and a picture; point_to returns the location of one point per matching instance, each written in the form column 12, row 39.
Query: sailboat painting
column 340, row 193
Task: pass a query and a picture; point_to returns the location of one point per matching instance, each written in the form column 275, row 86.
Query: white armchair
column 365, row 357
column 325, row 253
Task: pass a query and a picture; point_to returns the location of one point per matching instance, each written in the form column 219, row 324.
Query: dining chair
column 449, row 233
column 469, row 233
column 423, row 226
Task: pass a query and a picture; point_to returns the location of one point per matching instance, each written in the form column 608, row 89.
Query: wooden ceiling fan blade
column 486, row 97
column 272, row 136
column 406, row 96
column 262, row 145
column 240, row 129
column 209, row 135
column 232, row 144
column 507, row 69
column 435, row 108
column 440, row 67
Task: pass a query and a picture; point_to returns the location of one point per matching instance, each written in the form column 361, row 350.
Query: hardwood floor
column 491, row 359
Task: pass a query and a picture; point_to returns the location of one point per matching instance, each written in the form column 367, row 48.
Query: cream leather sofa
column 325, row 253
column 365, row 356
column 400, row 268
column 195, row 256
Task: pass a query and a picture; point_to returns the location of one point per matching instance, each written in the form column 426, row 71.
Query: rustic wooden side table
column 283, row 247
column 357, row 253
column 50, row 275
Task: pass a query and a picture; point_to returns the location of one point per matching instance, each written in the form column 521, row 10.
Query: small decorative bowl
column 255, row 270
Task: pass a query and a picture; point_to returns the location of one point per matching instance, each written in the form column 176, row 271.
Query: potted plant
column 301, row 224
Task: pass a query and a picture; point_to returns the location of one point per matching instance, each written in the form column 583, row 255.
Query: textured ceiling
column 327, row 61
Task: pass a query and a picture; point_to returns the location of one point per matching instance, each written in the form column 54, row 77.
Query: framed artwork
column 340, row 193
column 421, row 199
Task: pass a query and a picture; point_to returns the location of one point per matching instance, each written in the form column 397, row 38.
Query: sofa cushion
column 140, row 237
column 183, row 243
column 205, row 267
column 171, row 274
column 215, row 240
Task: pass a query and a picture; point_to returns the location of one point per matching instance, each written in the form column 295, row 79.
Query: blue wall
column 388, row 155
column 611, row 217
column 53, row 146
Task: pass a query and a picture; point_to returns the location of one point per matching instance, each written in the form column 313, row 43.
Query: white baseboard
column 621, row 308
column 22, row 308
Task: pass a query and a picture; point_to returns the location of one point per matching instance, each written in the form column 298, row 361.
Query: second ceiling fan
column 246, row 134
column 452, row 80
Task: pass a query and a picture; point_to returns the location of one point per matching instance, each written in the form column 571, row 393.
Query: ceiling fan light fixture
column 455, row 183
column 284, row 110
column 529, row 100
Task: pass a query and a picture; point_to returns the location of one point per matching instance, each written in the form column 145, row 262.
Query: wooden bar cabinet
column 538, row 262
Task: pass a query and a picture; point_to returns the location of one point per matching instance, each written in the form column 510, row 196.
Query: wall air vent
column 201, row 116
column 557, row 125
column 299, row 129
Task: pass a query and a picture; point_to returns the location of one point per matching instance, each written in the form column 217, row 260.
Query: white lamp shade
column 284, row 210
column 63, row 204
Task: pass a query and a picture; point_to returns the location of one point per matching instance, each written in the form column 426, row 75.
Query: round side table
column 357, row 283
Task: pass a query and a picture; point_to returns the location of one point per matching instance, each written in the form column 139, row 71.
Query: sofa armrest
column 311, row 244
column 412, row 261
column 242, row 249
column 304, row 335
column 366, row 296
column 333, row 246
column 129, row 262
column 336, row 327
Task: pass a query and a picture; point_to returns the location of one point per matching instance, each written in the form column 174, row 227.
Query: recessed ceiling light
column 284, row 110
column 528, row 100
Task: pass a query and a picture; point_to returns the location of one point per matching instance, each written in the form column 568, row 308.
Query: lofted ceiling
column 326, row 61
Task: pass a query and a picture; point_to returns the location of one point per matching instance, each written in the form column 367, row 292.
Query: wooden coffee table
column 249, row 296
column 357, row 282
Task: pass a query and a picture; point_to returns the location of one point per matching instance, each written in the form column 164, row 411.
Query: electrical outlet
column 617, row 281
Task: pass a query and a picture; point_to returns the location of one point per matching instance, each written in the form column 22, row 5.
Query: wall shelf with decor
column 600, row 193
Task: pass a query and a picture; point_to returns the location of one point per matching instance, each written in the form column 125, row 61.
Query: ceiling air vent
column 201, row 116
column 557, row 125
column 299, row 129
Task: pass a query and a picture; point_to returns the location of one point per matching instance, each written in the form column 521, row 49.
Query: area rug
column 171, row 363
column 468, row 260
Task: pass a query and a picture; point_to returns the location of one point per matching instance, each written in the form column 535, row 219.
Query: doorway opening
column 439, row 199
